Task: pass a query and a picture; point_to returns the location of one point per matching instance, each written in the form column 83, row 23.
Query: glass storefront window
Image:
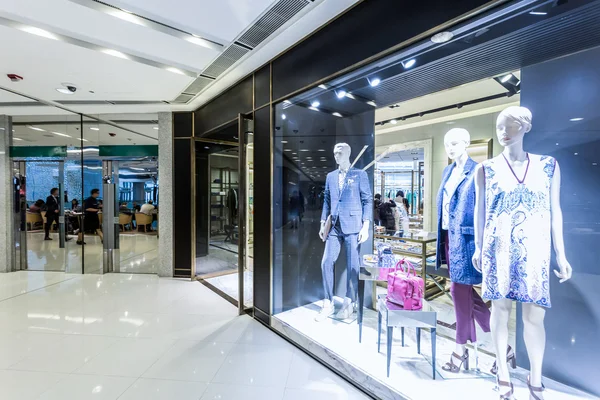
column 477, row 182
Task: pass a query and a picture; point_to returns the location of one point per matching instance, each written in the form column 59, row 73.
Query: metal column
column 110, row 221
column 20, row 216
column 61, row 202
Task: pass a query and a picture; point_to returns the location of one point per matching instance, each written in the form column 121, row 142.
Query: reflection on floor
column 138, row 253
column 228, row 284
column 216, row 262
column 410, row 373
column 139, row 337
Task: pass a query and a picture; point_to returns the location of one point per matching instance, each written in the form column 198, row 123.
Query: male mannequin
column 517, row 213
column 456, row 205
column 348, row 200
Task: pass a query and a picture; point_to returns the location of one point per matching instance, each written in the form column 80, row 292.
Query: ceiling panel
column 74, row 20
column 46, row 63
column 220, row 20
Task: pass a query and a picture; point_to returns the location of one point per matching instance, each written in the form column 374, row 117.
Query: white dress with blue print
column 517, row 234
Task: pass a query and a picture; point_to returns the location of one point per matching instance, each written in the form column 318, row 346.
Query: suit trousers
column 333, row 245
column 468, row 307
column 50, row 219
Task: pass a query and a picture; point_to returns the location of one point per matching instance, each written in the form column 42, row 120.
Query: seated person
column 147, row 208
column 37, row 206
column 75, row 207
column 124, row 209
column 136, row 206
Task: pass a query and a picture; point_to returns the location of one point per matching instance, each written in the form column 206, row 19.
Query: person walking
column 52, row 212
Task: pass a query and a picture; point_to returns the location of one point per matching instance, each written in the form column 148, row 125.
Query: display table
column 393, row 316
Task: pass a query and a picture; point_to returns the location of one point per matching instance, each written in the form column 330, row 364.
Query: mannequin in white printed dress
column 517, row 217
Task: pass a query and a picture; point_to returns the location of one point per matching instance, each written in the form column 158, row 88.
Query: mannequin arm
column 557, row 228
column 479, row 215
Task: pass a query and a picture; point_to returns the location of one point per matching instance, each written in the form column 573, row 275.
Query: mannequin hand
column 363, row 235
column 565, row 269
column 322, row 232
column 477, row 260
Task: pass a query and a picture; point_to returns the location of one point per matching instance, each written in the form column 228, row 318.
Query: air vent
column 229, row 57
column 182, row 98
column 200, row 83
column 274, row 19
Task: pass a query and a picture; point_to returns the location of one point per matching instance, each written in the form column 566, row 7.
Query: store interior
column 394, row 116
column 220, row 198
column 53, row 148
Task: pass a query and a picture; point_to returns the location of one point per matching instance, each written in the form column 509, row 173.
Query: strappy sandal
column 508, row 395
column 533, row 390
column 511, row 359
column 451, row 367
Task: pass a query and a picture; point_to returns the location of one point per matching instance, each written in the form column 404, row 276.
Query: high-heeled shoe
column 451, row 367
column 508, row 395
column 511, row 359
column 533, row 390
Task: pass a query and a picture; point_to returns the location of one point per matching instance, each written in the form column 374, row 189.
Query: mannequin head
column 456, row 142
column 512, row 125
column 341, row 153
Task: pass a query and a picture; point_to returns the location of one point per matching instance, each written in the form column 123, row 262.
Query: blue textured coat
column 356, row 203
column 461, row 231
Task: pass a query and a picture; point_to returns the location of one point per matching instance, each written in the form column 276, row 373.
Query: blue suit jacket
column 356, row 203
column 461, row 231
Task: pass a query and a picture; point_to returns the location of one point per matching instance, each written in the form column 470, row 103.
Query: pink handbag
column 405, row 289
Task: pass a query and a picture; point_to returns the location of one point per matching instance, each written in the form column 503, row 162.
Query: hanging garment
column 516, row 239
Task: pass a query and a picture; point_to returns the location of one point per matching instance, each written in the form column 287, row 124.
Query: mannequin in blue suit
column 349, row 202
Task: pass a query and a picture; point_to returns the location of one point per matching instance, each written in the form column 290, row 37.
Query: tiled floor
column 128, row 337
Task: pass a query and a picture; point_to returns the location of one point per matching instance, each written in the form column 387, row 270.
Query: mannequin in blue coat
column 456, row 245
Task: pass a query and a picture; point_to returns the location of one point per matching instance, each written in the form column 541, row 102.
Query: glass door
column 246, row 213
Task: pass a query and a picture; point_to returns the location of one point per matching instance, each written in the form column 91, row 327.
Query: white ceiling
column 84, row 31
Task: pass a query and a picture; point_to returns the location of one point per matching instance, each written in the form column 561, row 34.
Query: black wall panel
column 262, row 209
column 262, row 86
column 226, row 107
column 369, row 28
column 182, row 124
column 202, row 203
column 182, row 187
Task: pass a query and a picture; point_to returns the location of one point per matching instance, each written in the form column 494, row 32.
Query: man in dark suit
column 348, row 200
column 52, row 211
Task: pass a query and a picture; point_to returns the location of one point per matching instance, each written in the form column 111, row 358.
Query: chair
column 143, row 220
column 32, row 219
column 125, row 220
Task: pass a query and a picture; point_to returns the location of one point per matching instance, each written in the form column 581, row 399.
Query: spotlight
column 336, row 114
column 442, row 37
column 393, row 122
column 283, row 116
column 506, row 78
column 315, row 104
column 374, row 82
column 341, row 94
column 409, row 64
column 323, row 86
column 372, row 103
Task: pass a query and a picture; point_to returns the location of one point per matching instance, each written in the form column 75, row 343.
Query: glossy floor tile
column 129, row 337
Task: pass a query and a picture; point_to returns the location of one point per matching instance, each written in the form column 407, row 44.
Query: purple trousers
column 468, row 308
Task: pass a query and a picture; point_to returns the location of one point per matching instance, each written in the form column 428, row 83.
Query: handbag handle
column 408, row 268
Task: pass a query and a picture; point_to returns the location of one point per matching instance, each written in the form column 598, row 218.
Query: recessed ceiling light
column 284, row 141
column 321, row 150
column 36, row 128
column 323, row 86
column 115, row 53
column 315, row 104
column 64, row 90
column 294, row 153
column 442, row 37
column 39, row 32
column 17, row 139
column 371, row 103
column 341, row 94
column 538, row 13
column 313, row 108
column 175, row 71
column 506, row 78
column 207, row 147
column 576, row 119
column 287, row 102
column 350, row 96
column 61, row 134
column 94, row 128
column 575, row 154
column 374, row 81
column 336, row 114
column 155, row 128
column 408, row 64
column 287, row 150
column 393, row 122
column 283, row 116
column 304, row 150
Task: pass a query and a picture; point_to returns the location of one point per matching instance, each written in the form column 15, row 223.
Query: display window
column 435, row 213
